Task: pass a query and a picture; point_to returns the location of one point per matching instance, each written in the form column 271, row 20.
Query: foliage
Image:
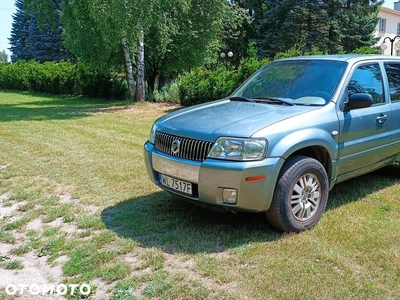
column 295, row 52
column 60, row 78
column 85, row 38
column 331, row 26
column 29, row 40
column 168, row 93
column 179, row 35
column 367, row 50
column 202, row 85
column 20, row 33
column 184, row 36
column 237, row 31
column 3, row 57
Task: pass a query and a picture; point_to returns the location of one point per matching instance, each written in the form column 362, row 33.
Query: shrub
column 202, row 85
column 61, row 78
column 168, row 93
column 367, row 50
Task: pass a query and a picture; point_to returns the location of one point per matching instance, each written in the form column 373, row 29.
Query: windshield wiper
column 276, row 100
column 240, row 98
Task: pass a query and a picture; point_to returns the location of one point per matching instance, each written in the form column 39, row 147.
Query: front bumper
column 210, row 177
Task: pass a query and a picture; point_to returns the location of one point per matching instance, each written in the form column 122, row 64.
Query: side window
column 367, row 79
column 382, row 25
column 393, row 74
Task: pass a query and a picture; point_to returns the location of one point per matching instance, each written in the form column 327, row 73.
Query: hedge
column 61, row 78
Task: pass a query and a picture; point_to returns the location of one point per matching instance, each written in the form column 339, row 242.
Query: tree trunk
column 151, row 76
column 140, row 87
column 129, row 70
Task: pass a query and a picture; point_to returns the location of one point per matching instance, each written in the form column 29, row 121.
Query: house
column 388, row 29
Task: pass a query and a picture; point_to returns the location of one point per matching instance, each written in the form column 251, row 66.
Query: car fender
column 298, row 140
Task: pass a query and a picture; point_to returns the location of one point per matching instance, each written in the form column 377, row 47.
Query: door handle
column 381, row 119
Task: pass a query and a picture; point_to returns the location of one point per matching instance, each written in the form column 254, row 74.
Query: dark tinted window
column 393, row 74
column 367, row 79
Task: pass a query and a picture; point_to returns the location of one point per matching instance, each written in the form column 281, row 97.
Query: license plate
column 176, row 184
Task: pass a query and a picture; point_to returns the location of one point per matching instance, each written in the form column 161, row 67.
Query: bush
column 61, row 78
column 202, row 85
column 367, row 50
column 168, row 93
column 99, row 85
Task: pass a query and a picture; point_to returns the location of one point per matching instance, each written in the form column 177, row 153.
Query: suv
column 283, row 139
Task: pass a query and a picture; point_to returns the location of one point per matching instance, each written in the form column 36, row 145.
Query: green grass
column 75, row 167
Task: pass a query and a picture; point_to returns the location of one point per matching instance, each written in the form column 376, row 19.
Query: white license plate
column 176, row 184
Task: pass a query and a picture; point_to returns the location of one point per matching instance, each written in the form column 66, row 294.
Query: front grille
column 188, row 148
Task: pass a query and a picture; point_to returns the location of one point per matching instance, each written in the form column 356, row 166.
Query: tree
column 29, row 40
column 359, row 28
column 176, row 34
column 237, row 30
column 187, row 36
column 3, row 57
column 46, row 42
column 20, row 33
column 330, row 26
column 99, row 31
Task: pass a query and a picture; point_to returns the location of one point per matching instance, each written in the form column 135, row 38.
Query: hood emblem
column 175, row 147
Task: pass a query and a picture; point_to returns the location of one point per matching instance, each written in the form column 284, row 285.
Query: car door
column 393, row 75
column 364, row 132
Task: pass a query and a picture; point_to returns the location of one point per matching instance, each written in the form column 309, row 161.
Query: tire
column 300, row 196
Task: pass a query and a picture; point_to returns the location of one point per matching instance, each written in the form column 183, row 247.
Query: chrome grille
column 189, row 148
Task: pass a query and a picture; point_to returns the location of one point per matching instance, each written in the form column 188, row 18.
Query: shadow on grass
column 362, row 186
column 37, row 107
column 175, row 226
column 161, row 221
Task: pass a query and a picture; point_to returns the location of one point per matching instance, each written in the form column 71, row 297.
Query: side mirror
column 359, row 100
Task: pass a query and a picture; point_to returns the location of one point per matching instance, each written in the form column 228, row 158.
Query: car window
column 393, row 74
column 367, row 79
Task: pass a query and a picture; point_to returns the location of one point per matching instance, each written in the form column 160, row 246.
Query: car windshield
column 299, row 82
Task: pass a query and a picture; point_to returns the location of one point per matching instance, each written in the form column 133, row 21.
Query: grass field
column 75, row 197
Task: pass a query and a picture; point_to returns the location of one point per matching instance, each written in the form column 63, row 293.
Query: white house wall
column 392, row 20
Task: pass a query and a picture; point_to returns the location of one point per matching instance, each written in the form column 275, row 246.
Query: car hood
column 226, row 118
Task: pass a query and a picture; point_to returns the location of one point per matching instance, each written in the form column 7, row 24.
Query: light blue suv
column 283, row 139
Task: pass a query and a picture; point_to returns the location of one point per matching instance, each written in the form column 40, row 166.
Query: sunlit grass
column 74, row 185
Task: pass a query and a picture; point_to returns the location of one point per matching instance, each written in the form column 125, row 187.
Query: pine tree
column 19, row 34
column 360, row 21
column 31, row 41
column 330, row 26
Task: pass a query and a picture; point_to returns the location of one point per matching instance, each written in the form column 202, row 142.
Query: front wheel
column 300, row 196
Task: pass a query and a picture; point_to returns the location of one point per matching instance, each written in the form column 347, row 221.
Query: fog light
column 229, row 196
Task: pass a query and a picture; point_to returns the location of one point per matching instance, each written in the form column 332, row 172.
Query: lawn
column 76, row 206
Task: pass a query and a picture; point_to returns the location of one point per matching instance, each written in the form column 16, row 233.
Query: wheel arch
column 319, row 153
column 314, row 143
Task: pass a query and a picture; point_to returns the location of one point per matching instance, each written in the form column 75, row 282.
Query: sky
column 7, row 9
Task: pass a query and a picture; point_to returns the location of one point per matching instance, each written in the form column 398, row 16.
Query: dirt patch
column 45, row 280
column 3, row 167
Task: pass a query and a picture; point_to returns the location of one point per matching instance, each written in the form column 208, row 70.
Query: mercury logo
column 175, row 147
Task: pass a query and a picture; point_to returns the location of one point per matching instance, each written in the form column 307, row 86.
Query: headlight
column 238, row 149
column 152, row 138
